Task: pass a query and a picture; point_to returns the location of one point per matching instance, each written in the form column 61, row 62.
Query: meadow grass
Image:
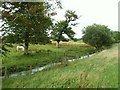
column 98, row 71
column 41, row 55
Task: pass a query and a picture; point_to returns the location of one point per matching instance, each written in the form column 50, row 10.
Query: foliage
column 3, row 50
column 98, row 36
column 3, row 47
column 115, row 36
column 64, row 27
column 26, row 22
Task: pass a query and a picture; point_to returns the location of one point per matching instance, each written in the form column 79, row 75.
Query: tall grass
column 98, row 71
column 41, row 55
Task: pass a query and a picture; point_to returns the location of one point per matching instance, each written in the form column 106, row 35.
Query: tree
column 97, row 35
column 115, row 36
column 64, row 27
column 3, row 46
column 26, row 22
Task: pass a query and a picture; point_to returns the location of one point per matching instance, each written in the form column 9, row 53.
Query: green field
column 98, row 71
column 41, row 55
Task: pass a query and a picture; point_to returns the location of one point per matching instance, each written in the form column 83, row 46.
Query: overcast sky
column 103, row 12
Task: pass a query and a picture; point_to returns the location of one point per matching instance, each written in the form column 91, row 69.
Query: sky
column 104, row 12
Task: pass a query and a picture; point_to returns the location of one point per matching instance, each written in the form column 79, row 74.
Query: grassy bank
column 41, row 55
column 100, row 70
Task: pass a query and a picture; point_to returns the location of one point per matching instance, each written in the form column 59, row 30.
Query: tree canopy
column 27, row 22
column 64, row 27
column 115, row 36
column 97, row 35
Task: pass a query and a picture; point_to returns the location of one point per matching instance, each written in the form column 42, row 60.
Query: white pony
column 20, row 47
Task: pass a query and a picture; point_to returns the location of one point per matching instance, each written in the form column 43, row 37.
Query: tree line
column 31, row 22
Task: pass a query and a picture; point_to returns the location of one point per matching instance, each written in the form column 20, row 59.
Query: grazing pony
column 20, row 47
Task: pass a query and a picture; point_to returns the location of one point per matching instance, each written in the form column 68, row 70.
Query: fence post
column 65, row 57
column 30, row 69
column 55, row 57
column 77, row 57
column 48, row 52
column 5, row 71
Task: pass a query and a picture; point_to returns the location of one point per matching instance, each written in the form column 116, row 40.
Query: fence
column 56, row 57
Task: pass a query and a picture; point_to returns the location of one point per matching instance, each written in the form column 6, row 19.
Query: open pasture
column 98, row 71
column 40, row 55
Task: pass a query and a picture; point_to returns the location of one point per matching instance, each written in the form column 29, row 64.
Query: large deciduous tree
column 27, row 22
column 97, row 35
column 64, row 27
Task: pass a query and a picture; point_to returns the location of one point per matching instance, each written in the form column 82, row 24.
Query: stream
column 33, row 71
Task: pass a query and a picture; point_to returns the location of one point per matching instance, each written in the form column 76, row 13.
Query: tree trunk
column 26, row 43
column 58, row 44
column 26, row 48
